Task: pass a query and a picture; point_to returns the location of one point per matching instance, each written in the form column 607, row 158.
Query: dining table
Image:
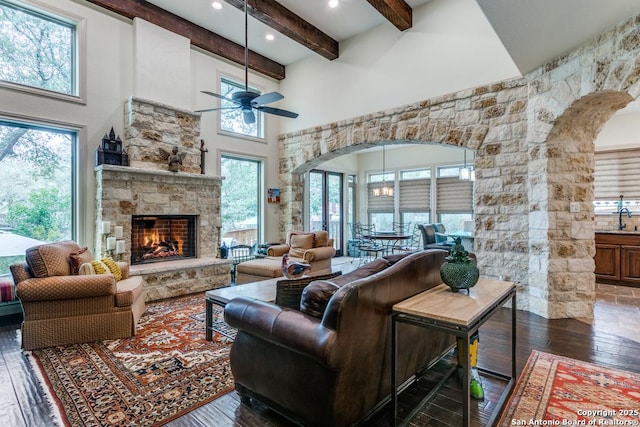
column 388, row 239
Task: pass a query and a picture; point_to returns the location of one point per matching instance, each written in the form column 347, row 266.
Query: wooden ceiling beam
column 199, row 36
column 398, row 12
column 281, row 19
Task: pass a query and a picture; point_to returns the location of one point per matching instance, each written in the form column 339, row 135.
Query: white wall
column 620, row 132
column 450, row 47
column 114, row 72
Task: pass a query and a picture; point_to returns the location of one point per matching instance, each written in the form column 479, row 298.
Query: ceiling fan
column 247, row 100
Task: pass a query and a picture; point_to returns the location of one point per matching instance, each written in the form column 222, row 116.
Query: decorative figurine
column 203, row 150
column 174, row 160
column 294, row 269
column 111, row 152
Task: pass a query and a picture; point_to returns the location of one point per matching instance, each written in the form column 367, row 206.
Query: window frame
column 79, row 52
column 260, row 118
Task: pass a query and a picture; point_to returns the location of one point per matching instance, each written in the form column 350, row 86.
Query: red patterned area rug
column 165, row 371
column 555, row 390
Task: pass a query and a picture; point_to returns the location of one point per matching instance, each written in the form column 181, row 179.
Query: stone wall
column 152, row 130
column 534, row 137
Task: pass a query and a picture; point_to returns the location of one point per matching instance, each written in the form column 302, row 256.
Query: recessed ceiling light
column 269, row 37
column 216, row 5
column 333, row 4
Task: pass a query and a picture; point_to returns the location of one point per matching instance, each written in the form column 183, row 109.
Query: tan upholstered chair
column 63, row 308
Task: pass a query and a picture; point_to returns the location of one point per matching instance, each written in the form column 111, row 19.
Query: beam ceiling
column 398, row 12
column 284, row 21
column 199, row 37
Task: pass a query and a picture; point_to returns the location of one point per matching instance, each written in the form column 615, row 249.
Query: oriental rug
column 165, row 371
column 556, row 390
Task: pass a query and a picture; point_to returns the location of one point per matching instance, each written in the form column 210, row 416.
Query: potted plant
column 459, row 271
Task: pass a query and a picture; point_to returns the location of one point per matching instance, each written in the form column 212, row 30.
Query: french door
column 325, row 205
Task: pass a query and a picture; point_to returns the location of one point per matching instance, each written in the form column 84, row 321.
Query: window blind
column 454, row 195
column 616, row 173
column 415, row 195
column 378, row 204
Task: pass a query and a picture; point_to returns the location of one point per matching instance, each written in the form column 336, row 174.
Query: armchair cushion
column 299, row 243
column 51, row 259
column 79, row 257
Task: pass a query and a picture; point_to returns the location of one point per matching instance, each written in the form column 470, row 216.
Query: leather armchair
column 429, row 240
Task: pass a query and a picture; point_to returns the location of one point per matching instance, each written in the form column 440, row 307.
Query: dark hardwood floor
column 612, row 339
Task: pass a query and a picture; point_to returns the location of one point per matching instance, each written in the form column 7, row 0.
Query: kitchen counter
column 630, row 232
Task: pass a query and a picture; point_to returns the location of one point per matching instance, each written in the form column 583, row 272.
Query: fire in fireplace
column 157, row 238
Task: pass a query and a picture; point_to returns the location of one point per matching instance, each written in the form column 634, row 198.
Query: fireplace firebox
column 156, row 238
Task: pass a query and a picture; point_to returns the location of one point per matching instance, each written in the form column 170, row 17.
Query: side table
column 461, row 315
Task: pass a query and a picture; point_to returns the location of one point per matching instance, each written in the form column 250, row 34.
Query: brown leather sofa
column 335, row 369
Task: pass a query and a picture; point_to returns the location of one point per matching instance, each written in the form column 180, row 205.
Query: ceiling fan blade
column 217, row 108
column 278, row 112
column 267, row 98
column 216, row 95
column 249, row 116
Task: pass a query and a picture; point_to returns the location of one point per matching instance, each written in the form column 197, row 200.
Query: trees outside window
column 240, row 200
column 37, row 49
column 231, row 119
column 36, row 187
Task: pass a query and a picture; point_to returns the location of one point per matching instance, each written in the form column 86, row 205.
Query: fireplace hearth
column 156, row 238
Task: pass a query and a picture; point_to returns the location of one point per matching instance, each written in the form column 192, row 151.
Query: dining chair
column 368, row 247
column 412, row 245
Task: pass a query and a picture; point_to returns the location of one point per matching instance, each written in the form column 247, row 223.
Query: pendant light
column 467, row 173
column 383, row 190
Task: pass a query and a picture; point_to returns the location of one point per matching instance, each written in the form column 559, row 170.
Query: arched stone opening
column 533, row 138
column 561, row 219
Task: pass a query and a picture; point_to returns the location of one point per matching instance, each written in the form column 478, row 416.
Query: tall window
column 240, row 200
column 36, row 188
column 231, row 119
column 38, row 49
column 380, row 209
column 415, row 196
column 454, row 198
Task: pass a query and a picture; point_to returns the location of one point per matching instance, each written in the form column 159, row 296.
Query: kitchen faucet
column 622, row 210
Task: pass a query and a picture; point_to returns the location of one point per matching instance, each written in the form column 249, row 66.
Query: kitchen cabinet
column 617, row 258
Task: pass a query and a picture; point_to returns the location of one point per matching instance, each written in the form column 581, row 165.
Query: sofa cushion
column 366, row 270
column 51, row 259
column 299, row 243
column 289, row 291
column 79, row 257
column 316, row 296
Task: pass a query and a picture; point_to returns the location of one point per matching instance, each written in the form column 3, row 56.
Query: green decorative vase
column 459, row 272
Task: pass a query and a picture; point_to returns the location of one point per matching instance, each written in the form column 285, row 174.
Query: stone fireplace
column 166, row 216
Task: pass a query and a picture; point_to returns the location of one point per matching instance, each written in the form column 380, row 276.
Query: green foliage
column 240, row 196
column 458, row 254
column 45, row 216
column 35, row 50
column 7, row 261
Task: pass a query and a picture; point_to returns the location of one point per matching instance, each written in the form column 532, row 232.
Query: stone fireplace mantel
column 123, row 191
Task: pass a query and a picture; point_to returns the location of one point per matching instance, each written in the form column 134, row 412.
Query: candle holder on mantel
column 219, row 228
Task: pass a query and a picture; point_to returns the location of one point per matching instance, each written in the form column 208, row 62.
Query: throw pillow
column 289, row 291
column 79, row 257
column 316, row 296
column 51, row 259
column 321, row 239
column 113, row 268
column 299, row 243
column 94, row 267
